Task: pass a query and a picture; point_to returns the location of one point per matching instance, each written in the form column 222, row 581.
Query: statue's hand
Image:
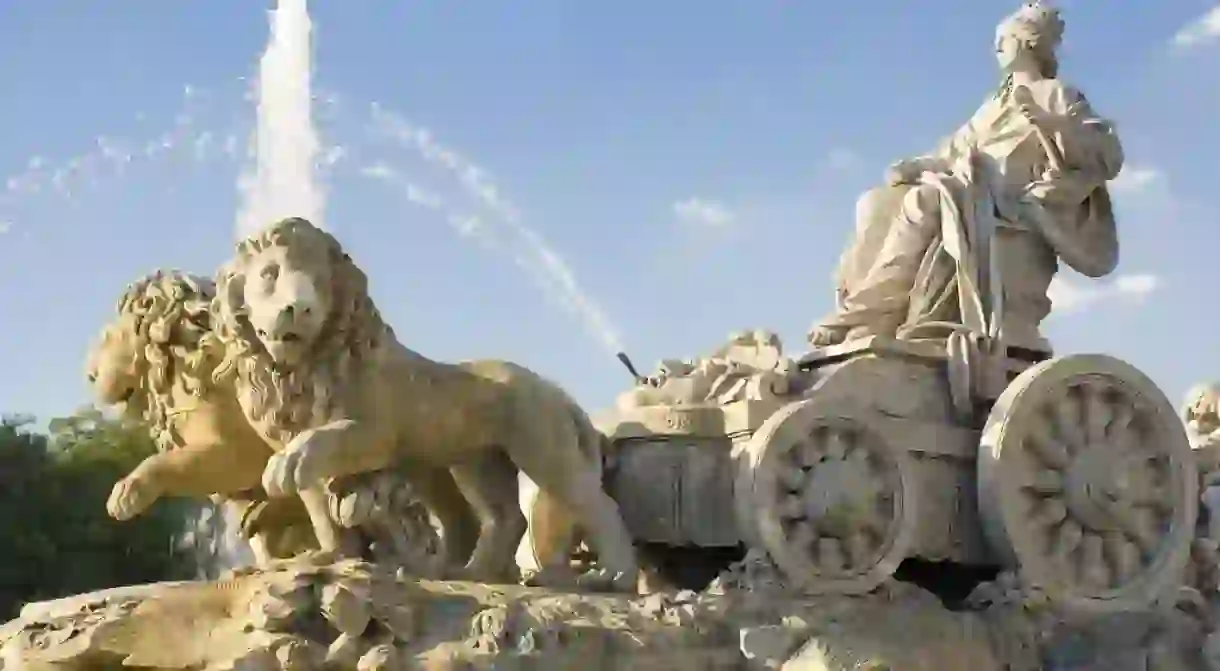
column 1035, row 115
column 131, row 496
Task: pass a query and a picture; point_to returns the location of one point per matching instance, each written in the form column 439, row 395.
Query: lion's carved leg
column 576, row 484
column 490, row 485
column 343, row 447
column 136, row 491
column 553, row 537
column 439, row 492
column 201, row 469
column 197, row 470
column 332, row 538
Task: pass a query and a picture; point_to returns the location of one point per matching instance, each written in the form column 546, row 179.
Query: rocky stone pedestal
column 310, row 614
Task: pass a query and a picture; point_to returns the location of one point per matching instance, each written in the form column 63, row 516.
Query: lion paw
column 553, row 577
column 130, row 497
column 301, row 465
column 603, row 580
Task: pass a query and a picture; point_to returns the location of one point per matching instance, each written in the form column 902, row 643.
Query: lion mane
column 284, row 403
column 171, row 321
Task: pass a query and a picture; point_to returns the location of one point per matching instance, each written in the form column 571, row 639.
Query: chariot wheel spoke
column 1047, row 448
column 836, row 445
column 792, row 508
column 1067, row 538
column 1120, row 423
column 1096, row 570
column 859, row 548
column 1122, row 554
column 792, row 478
column 1051, row 512
column 1096, row 412
column 830, row 555
column 1046, row 483
column 809, row 454
column 1068, row 416
column 1140, row 528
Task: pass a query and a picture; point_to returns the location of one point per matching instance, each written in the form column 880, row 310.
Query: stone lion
column 155, row 358
column 1201, row 410
column 328, row 384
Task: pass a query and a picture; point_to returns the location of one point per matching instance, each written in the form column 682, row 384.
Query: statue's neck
column 1024, row 77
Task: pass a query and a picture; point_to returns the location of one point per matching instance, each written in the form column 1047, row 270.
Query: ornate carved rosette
column 829, row 498
column 1087, row 484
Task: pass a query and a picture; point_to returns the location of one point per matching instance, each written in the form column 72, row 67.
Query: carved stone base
column 309, row 614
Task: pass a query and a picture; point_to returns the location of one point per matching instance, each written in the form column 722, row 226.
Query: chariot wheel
column 826, row 493
column 1087, row 484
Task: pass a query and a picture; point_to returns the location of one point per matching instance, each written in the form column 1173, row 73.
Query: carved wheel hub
column 1097, row 484
column 837, row 502
column 1086, row 477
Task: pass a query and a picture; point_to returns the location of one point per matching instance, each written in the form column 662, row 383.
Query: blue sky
column 694, row 163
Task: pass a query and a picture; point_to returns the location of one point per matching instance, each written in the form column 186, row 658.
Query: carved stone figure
column 156, row 358
column 328, row 384
column 751, row 366
column 1020, row 185
column 1200, row 413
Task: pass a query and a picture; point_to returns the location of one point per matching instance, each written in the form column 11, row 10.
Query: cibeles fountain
column 929, row 485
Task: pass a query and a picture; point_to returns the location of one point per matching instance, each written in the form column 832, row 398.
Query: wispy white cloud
column 5, row 227
column 705, row 213
column 541, row 261
column 1070, row 297
column 1203, row 30
column 1136, row 179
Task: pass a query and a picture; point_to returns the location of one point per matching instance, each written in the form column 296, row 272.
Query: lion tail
column 590, row 441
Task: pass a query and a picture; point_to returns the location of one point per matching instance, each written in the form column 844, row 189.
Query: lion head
column 1201, row 411
column 161, row 334
column 297, row 320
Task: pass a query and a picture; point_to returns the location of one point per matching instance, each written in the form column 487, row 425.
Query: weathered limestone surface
column 298, row 614
column 308, row 613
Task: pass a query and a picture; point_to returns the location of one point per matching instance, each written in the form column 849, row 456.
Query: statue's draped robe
column 906, row 266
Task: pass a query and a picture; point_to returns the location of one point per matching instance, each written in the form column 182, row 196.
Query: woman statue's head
column 1027, row 39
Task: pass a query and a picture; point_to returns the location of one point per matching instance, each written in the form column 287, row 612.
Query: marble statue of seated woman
column 1035, row 159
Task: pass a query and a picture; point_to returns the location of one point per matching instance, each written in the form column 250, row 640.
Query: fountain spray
column 283, row 182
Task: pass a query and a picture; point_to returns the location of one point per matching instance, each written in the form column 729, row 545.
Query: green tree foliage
column 58, row 539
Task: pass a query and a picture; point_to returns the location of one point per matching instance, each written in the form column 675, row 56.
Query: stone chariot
column 1073, row 471
column 938, row 424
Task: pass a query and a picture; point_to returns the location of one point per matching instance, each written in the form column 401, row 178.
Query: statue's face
column 288, row 297
column 113, row 364
column 1008, row 51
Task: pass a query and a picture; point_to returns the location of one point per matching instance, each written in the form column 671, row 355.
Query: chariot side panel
column 672, row 471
